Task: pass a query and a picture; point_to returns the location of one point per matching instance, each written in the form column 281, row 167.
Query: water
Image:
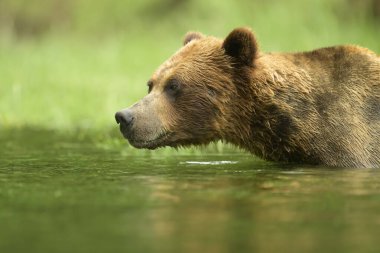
column 61, row 193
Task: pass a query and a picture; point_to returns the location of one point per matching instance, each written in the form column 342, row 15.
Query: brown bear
column 318, row 107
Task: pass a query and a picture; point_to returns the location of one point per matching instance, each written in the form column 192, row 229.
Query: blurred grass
column 73, row 64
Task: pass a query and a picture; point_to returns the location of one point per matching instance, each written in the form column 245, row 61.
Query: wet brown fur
column 318, row 107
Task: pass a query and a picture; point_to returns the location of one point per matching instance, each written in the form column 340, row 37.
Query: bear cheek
column 168, row 115
column 197, row 120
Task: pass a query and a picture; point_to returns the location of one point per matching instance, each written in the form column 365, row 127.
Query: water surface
column 65, row 193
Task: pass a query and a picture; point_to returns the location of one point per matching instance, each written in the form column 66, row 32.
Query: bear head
column 196, row 96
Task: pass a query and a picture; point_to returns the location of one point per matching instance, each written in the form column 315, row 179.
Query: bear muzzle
column 142, row 130
column 125, row 119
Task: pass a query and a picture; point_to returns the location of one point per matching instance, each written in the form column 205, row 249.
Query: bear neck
column 264, row 123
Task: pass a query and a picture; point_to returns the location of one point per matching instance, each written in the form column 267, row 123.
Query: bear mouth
column 160, row 141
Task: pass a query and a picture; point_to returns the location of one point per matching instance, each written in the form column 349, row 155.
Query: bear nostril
column 124, row 117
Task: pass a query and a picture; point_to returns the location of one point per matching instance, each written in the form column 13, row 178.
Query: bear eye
column 172, row 86
column 150, row 85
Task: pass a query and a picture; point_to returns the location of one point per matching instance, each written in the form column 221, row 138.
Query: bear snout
column 125, row 118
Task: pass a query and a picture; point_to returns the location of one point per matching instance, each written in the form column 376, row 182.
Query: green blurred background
column 71, row 64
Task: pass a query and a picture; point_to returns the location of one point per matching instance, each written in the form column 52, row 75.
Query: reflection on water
column 209, row 162
column 61, row 193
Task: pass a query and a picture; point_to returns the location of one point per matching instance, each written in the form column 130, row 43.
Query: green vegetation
column 72, row 64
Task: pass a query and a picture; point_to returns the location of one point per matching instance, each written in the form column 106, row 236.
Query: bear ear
column 241, row 45
column 192, row 36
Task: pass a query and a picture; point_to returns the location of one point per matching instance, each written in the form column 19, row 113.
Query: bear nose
column 124, row 117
